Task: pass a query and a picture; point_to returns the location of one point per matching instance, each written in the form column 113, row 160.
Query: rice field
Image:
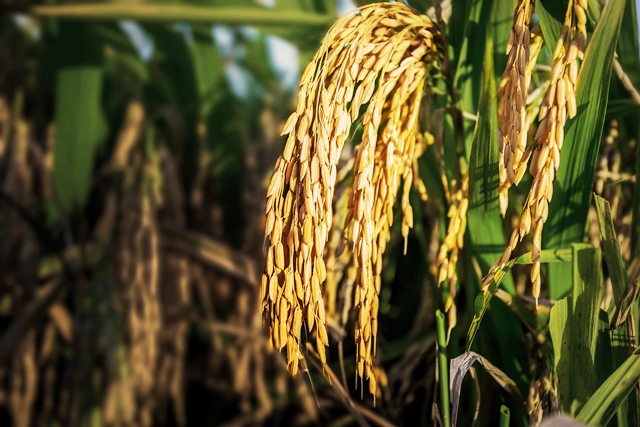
column 438, row 226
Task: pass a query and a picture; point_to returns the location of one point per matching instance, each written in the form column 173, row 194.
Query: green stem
column 443, row 366
column 505, row 416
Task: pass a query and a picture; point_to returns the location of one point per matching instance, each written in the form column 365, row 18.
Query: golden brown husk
column 454, row 240
column 377, row 58
column 514, row 87
column 558, row 103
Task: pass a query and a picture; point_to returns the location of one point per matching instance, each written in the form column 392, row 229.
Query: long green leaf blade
column 611, row 249
column 483, row 299
column 468, row 78
column 572, row 190
column 573, row 325
column 80, row 125
column 550, row 15
column 602, row 405
column 486, row 236
column 501, row 22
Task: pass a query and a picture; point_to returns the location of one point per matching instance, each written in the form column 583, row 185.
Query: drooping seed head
column 375, row 60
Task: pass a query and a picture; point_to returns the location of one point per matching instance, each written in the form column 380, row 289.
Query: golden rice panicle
column 454, row 240
column 298, row 207
column 400, row 60
column 512, row 133
column 558, row 103
column 378, row 56
column 338, row 257
column 393, row 161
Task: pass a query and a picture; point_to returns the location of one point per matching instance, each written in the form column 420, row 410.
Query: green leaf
column 611, row 249
column 174, row 75
column 621, row 343
column 483, row 161
column 483, row 299
column 459, row 18
column 122, row 60
column 620, row 338
column 602, row 405
column 551, row 16
column 207, row 67
column 573, row 325
column 245, row 15
column 484, row 223
column 468, row 78
column 501, row 22
column 572, row 190
column 80, row 125
column 485, row 233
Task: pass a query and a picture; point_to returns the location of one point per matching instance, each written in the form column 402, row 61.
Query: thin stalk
column 505, row 416
column 443, row 366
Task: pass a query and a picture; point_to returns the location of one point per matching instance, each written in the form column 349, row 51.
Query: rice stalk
column 558, row 103
column 376, row 59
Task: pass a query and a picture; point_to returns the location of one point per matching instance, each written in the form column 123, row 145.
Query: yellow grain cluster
column 558, row 103
column 371, row 68
column 454, row 240
column 338, row 258
column 514, row 87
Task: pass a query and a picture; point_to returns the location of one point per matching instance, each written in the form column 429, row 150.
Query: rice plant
column 438, row 227
column 384, row 79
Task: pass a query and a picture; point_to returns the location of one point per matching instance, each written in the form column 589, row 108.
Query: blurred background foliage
column 136, row 138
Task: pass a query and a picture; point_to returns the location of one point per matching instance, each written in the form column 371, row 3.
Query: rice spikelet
column 454, row 240
column 558, row 103
column 513, row 124
column 377, row 58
